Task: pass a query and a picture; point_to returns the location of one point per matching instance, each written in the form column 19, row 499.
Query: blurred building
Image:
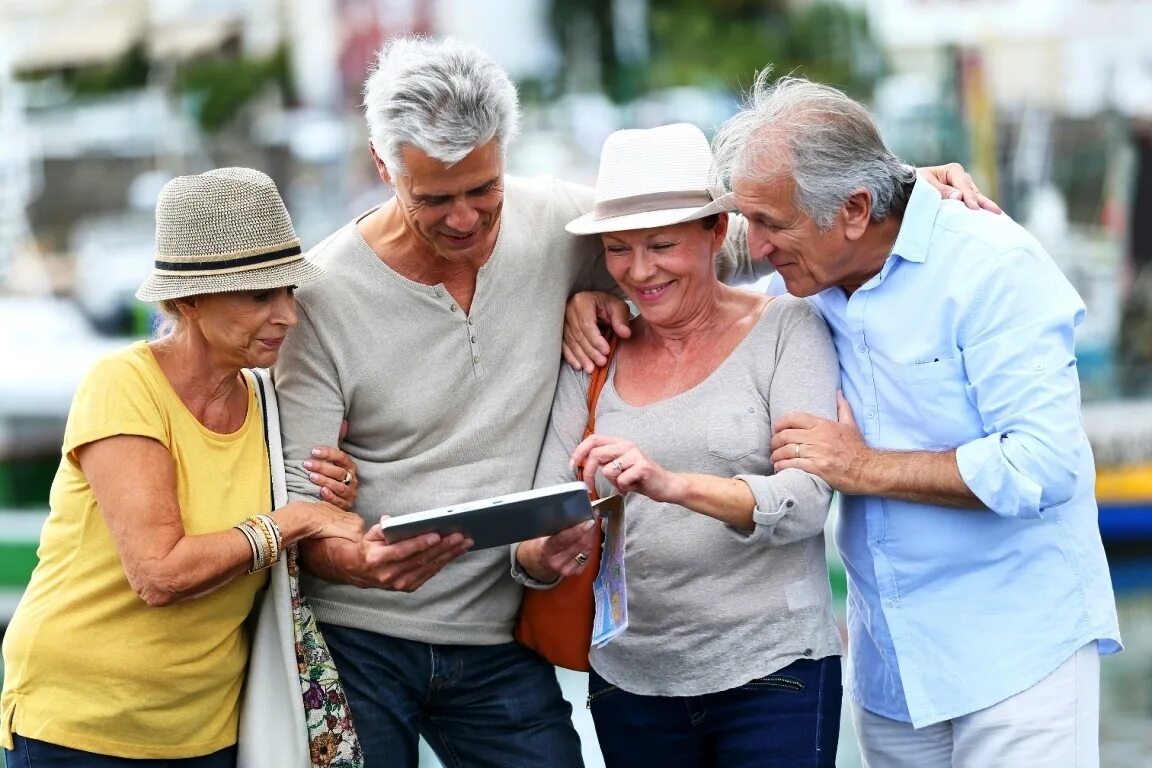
column 1075, row 57
column 1048, row 99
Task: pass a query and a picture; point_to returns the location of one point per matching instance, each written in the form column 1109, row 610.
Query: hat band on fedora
column 653, row 201
column 209, row 266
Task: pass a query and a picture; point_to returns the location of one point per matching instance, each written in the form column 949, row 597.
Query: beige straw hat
column 224, row 230
column 652, row 178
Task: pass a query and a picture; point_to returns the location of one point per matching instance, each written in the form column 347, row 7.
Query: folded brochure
column 610, row 587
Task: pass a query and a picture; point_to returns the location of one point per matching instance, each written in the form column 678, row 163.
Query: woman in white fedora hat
column 731, row 654
column 129, row 643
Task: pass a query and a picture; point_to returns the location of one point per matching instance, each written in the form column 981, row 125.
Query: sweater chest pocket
column 734, row 430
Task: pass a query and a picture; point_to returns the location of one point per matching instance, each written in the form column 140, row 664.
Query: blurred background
column 1047, row 102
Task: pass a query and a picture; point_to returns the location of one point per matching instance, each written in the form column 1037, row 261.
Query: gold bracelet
column 269, row 540
column 276, row 532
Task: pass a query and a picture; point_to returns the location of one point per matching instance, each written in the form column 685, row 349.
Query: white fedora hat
column 652, row 178
column 224, row 230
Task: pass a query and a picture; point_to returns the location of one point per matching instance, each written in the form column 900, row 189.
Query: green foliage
column 703, row 44
column 725, row 42
column 831, row 43
column 588, row 26
column 127, row 72
column 219, row 88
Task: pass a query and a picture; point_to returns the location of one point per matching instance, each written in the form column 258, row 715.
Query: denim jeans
column 789, row 719
column 31, row 753
column 478, row 706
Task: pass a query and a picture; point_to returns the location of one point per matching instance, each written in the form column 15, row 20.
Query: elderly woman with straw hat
column 731, row 654
column 130, row 642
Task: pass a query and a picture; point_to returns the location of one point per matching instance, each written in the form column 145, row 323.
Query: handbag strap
column 596, row 385
column 262, row 396
column 597, row 382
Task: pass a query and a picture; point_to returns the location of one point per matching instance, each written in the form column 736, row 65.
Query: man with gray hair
column 436, row 334
column 979, row 594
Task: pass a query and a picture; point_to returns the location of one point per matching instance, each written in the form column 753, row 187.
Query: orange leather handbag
column 557, row 622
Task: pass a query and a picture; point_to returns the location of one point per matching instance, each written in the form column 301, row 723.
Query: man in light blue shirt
column 979, row 594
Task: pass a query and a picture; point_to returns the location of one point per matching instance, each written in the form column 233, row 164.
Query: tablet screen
column 499, row 520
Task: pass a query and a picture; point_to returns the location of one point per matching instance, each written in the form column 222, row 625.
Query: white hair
column 826, row 142
column 443, row 97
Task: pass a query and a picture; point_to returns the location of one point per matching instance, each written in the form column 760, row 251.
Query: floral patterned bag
column 331, row 737
column 293, row 711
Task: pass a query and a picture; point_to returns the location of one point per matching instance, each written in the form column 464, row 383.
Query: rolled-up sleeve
column 1019, row 355
column 792, row 505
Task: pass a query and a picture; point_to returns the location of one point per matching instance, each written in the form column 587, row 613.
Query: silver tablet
column 500, row 520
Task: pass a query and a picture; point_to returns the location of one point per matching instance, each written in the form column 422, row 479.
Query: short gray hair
column 444, row 98
column 825, row 141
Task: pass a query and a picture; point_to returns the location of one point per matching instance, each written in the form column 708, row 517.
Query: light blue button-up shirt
column 964, row 341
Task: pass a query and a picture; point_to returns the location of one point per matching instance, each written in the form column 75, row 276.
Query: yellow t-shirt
column 88, row 664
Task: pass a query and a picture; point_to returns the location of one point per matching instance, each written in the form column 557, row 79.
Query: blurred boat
column 1121, row 438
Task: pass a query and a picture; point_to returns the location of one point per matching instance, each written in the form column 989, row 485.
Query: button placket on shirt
column 855, row 313
column 470, row 327
column 885, row 581
column 467, row 324
column 876, row 521
column 473, row 342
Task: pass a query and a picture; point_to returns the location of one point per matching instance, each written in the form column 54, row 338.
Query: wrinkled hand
column 551, row 557
column 832, row 450
column 328, row 468
column 954, row 183
column 331, row 522
column 584, row 344
column 405, row 565
column 626, row 467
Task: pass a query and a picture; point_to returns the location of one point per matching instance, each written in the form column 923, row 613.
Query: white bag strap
column 266, row 393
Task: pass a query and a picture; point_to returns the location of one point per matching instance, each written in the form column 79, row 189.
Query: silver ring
column 797, row 450
column 616, row 465
column 347, row 476
column 580, row 557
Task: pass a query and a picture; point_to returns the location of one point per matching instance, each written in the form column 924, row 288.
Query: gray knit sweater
column 442, row 406
column 711, row 607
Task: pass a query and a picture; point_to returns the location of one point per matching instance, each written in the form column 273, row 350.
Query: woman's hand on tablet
column 565, row 554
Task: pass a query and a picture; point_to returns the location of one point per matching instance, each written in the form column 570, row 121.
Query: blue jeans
column 31, row 753
column 789, row 719
column 478, row 706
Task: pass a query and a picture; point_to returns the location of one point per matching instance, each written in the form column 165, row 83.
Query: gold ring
column 797, row 450
column 347, row 476
column 580, row 557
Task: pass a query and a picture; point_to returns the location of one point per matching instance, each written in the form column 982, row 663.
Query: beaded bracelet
column 275, row 528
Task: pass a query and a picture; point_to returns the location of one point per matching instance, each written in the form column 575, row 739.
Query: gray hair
column 444, row 98
column 826, row 142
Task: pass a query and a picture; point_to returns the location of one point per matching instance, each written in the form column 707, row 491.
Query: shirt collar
column 915, row 233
